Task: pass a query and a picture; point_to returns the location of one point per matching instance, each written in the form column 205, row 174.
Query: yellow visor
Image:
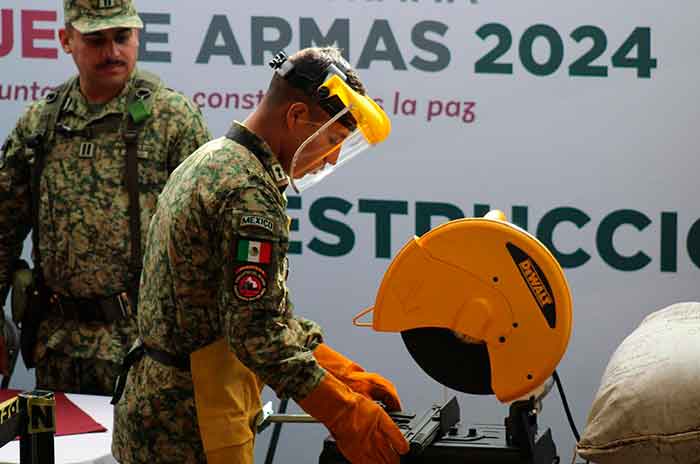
column 334, row 144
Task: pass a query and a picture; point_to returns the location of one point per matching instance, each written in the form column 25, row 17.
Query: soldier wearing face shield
column 216, row 319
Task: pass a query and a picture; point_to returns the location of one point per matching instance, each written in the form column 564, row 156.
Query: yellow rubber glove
column 364, row 433
column 368, row 384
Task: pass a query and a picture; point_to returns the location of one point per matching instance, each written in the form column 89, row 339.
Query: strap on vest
column 139, row 110
column 144, row 86
column 131, row 140
column 37, row 143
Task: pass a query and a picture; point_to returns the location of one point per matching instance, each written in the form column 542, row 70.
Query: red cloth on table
column 70, row 419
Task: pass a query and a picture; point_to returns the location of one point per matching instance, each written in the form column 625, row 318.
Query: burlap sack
column 647, row 409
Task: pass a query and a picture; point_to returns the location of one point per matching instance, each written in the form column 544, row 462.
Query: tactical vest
column 38, row 145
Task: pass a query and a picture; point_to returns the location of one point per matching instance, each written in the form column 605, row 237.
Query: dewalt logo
column 535, row 283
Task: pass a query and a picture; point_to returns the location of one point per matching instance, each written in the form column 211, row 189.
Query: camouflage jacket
column 215, row 266
column 83, row 205
column 204, row 278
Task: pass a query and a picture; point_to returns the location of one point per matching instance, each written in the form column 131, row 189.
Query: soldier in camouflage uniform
column 215, row 315
column 69, row 159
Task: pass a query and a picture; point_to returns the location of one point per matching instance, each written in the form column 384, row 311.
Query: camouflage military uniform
column 199, row 284
column 84, row 219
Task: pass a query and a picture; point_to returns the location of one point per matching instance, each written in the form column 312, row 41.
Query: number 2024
column 640, row 39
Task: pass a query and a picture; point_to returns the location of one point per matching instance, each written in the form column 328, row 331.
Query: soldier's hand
column 363, row 431
column 368, row 384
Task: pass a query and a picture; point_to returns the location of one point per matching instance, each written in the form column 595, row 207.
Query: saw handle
column 496, row 214
column 356, row 320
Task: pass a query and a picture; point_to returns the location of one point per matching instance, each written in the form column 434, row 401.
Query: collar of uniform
column 77, row 104
column 262, row 151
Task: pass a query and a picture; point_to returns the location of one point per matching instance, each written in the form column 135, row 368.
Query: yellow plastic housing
column 476, row 277
column 373, row 122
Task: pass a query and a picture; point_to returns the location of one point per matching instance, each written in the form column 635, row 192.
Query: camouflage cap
column 94, row 15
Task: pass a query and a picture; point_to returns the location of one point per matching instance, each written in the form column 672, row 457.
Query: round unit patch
column 249, row 283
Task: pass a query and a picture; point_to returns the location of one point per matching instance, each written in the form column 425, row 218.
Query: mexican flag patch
column 254, row 252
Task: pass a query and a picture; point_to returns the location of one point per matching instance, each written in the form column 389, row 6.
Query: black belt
column 106, row 309
column 135, row 355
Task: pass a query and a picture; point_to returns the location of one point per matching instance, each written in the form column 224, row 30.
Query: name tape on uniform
column 259, row 221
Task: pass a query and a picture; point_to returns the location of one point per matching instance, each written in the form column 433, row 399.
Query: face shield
column 358, row 124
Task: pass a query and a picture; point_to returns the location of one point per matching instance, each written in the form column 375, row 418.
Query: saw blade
column 452, row 362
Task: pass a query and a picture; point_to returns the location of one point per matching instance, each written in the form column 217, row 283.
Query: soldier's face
column 104, row 58
column 323, row 149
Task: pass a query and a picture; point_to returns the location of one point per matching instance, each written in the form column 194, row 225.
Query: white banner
column 579, row 121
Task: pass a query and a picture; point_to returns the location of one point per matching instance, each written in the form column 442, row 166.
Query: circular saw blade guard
column 482, row 306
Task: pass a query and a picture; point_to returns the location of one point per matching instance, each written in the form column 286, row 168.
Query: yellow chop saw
column 483, row 308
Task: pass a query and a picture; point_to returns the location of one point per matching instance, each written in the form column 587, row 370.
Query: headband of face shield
column 356, row 123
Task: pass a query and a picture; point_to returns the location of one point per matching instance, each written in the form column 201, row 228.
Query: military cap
column 94, row 15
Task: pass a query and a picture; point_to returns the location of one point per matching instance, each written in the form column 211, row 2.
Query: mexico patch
column 252, row 251
column 249, row 283
column 257, row 221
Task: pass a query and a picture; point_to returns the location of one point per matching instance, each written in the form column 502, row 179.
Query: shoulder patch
column 257, row 221
column 253, row 251
column 249, row 283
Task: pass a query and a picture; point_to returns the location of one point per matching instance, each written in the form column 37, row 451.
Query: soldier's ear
column 65, row 36
column 297, row 113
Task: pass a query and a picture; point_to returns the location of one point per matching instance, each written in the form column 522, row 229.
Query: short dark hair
column 313, row 61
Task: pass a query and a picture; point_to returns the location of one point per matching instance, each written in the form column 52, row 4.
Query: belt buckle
column 124, row 304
